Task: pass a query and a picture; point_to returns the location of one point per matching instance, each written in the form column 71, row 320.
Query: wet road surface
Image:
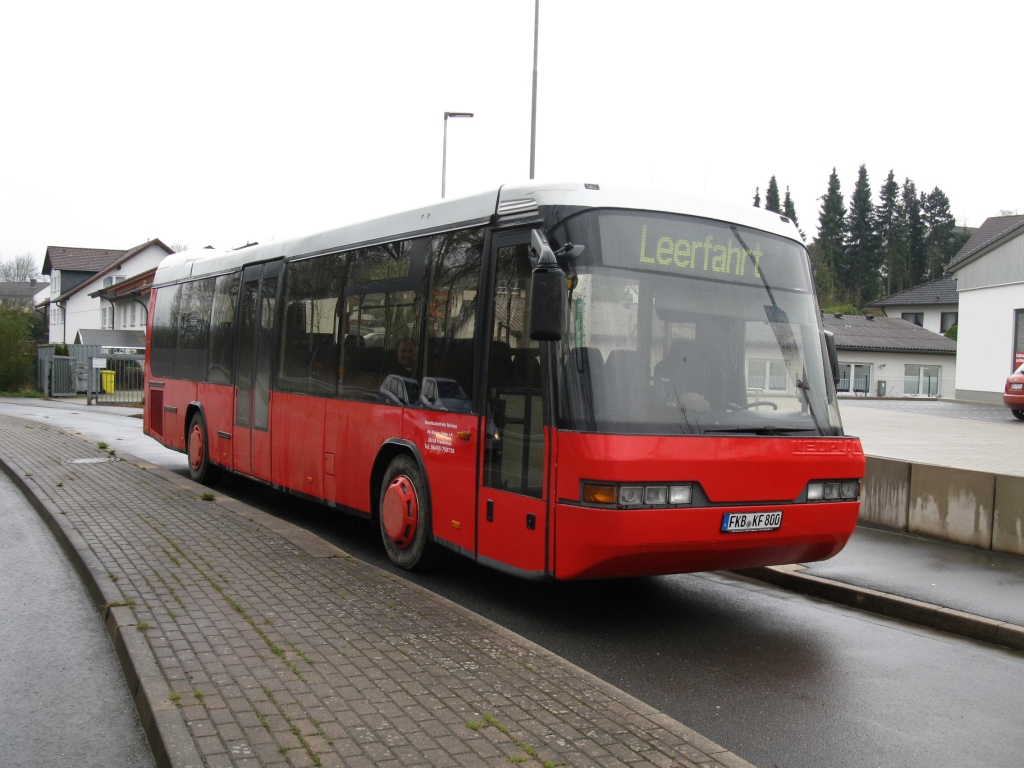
column 63, row 699
column 780, row 679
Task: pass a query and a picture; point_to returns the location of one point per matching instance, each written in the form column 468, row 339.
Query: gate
column 63, row 376
column 117, row 380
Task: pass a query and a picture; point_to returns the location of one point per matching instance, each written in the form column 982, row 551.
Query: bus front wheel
column 404, row 515
column 197, row 448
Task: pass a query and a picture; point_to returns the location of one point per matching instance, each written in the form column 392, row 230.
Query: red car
column 1013, row 395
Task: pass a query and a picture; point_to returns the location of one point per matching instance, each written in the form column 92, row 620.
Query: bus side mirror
column 547, row 291
column 833, row 356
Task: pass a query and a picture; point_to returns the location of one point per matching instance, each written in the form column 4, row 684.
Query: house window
column 855, row 377
column 133, row 314
column 756, row 378
column 119, row 279
column 107, row 282
column 948, row 321
column 917, row 318
column 921, row 380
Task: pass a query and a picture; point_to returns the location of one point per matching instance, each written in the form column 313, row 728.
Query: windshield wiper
column 763, row 430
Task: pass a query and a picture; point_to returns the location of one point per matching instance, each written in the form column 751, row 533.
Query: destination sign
column 700, row 248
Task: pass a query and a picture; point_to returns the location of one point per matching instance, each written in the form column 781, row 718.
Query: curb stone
column 931, row 615
column 169, row 736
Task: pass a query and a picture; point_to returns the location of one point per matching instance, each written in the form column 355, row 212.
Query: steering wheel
column 755, row 405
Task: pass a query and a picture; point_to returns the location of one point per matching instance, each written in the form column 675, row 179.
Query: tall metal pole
column 533, row 116
column 444, row 153
column 444, row 146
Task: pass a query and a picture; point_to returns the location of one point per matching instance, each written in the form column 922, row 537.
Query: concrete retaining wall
column 980, row 509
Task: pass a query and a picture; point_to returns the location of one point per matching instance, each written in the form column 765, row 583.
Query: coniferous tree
column 789, row 209
column 861, row 256
column 827, row 249
column 913, row 223
column 892, row 234
column 941, row 232
column 771, row 197
column 757, row 197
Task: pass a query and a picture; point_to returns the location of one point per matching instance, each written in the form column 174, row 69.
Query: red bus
column 557, row 381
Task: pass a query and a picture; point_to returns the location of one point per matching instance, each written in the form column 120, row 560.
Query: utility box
column 881, row 389
column 107, row 382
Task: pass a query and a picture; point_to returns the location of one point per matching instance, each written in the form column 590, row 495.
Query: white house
column 933, row 306
column 989, row 272
column 891, row 357
column 76, row 274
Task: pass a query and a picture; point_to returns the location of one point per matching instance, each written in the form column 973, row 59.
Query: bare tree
column 19, row 269
column 179, row 247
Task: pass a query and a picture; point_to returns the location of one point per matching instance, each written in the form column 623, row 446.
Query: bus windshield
column 679, row 325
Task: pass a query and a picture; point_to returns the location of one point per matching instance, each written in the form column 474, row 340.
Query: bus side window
column 165, row 330
column 380, row 321
column 193, row 329
column 220, row 363
column 447, row 380
column 308, row 361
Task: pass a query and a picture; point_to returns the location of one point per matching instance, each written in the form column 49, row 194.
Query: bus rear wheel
column 197, row 447
column 404, row 515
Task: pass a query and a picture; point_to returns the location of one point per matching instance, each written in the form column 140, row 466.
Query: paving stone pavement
column 259, row 644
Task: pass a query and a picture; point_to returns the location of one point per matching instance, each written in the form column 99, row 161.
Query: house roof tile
column 993, row 229
column 885, row 334
column 941, row 291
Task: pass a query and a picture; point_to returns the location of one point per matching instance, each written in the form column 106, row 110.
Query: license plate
column 1017, row 386
column 748, row 522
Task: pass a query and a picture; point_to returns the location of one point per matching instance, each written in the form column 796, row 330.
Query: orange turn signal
column 600, row 494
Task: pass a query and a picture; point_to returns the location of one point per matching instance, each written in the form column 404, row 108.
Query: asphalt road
column 63, row 699
column 780, row 679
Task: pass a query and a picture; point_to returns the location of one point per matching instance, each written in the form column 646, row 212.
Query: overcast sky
column 220, row 123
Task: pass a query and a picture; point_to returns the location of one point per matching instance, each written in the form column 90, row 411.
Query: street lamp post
column 444, row 146
column 533, row 112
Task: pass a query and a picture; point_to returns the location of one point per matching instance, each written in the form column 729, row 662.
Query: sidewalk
column 979, row 581
column 248, row 641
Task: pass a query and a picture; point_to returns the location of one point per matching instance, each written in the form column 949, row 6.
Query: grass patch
column 101, row 445
column 28, row 474
column 143, row 626
column 60, row 485
column 199, row 695
column 113, row 576
column 473, row 726
column 207, row 497
column 28, row 393
column 176, row 698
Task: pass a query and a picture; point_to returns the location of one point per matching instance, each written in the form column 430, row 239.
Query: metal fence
column 86, row 378
column 119, row 380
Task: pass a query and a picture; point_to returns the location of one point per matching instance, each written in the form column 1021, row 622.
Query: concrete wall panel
column 886, row 493
column 1008, row 517
column 952, row 504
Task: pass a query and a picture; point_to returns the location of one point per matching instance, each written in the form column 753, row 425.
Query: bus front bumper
column 595, row 543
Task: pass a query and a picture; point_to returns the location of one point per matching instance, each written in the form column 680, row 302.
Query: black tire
column 419, row 553
column 1019, row 415
column 199, row 467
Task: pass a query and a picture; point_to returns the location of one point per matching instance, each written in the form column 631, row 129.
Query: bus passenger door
column 512, row 513
column 255, row 368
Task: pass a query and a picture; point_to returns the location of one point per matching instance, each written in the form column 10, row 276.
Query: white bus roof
column 445, row 214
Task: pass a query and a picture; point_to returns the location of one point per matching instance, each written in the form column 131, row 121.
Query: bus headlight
column 631, row 495
column 680, row 494
column 833, row 490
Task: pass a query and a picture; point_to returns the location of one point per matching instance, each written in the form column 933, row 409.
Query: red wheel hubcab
column 195, row 447
column 401, row 512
